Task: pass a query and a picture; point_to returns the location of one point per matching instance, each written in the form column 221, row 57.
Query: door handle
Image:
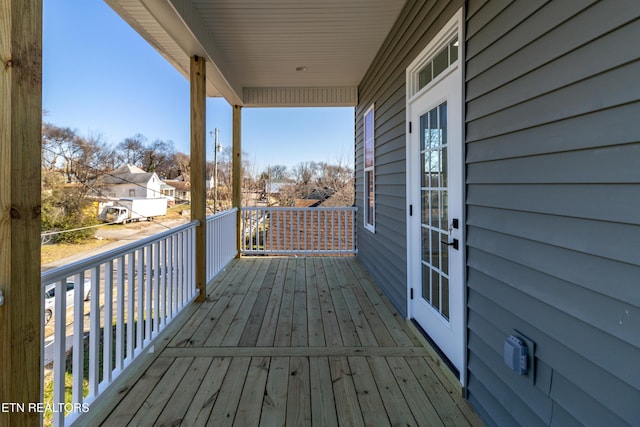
column 455, row 243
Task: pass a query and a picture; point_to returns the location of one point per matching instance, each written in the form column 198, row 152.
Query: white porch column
column 198, row 170
column 20, row 138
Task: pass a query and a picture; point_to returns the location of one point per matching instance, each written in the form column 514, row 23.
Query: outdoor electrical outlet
column 519, row 355
column 515, row 355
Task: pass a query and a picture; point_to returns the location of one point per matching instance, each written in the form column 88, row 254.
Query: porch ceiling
column 253, row 47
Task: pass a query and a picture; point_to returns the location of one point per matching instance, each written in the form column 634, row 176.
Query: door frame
column 453, row 26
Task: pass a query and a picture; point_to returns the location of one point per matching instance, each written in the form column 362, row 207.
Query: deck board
column 323, row 407
column 274, row 403
column 207, row 393
column 292, row 341
column 371, row 405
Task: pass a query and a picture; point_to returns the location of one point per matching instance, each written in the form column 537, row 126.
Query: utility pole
column 215, row 173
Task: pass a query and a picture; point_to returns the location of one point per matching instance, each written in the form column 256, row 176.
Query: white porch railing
column 135, row 291
column 298, row 231
column 222, row 245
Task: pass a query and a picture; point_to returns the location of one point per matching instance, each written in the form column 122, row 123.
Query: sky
column 100, row 77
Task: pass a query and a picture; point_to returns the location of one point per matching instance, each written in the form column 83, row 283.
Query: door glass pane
column 434, row 168
column 444, row 211
column 435, row 249
column 435, row 204
column 440, row 62
column 445, row 255
column 453, row 51
column 434, row 218
column 425, row 168
column 426, row 253
column 435, row 289
column 443, row 128
column 425, row 207
column 445, row 297
column 434, row 140
column 424, row 76
column 426, row 289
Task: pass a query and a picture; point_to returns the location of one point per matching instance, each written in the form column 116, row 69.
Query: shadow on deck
column 287, row 341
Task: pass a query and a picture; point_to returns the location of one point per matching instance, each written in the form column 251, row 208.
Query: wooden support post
column 20, row 137
column 237, row 171
column 198, row 170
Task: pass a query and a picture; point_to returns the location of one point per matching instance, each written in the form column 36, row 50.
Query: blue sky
column 100, row 76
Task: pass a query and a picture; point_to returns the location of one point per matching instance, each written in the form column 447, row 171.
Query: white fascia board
column 182, row 23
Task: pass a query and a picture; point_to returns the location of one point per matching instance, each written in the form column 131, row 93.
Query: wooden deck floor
column 290, row 341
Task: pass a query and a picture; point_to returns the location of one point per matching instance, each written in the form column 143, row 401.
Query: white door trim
column 453, row 27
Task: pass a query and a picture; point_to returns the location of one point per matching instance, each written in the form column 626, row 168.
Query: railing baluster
column 59, row 349
column 172, row 270
column 78, row 337
column 131, row 299
column 339, row 231
column 163, row 283
column 148, row 295
column 107, row 339
column 156, row 288
column 299, row 229
column 94, row 332
column 333, row 230
column 181, row 267
column 120, row 303
column 140, row 300
column 191, row 282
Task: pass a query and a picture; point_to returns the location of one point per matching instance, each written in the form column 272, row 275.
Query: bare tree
column 333, row 177
column 132, row 149
column 95, row 156
column 53, row 139
column 181, row 164
column 305, row 175
column 77, row 158
column 158, row 157
column 277, row 173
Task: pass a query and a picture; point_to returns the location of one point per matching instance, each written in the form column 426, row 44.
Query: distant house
column 182, row 189
column 272, row 188
column 168, row 192
column 343, row 197
column 208, row 183
column 306, row 203
column 128, row 181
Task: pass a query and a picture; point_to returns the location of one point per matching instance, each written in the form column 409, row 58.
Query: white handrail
column 298, row 231
column 148, row 281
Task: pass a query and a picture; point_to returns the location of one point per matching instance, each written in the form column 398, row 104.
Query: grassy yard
column 50, row 253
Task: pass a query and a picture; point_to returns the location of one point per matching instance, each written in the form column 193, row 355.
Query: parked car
column 49, row 297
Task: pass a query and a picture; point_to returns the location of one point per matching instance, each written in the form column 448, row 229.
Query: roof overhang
column 271, row 53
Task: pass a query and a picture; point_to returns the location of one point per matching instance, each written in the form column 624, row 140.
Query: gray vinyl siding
column 384, row 253
column 553, row 208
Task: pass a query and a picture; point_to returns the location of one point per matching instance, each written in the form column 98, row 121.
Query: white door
column 436, row 204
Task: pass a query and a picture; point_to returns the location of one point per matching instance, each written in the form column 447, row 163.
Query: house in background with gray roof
column 182, row 189
column 128, row 181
